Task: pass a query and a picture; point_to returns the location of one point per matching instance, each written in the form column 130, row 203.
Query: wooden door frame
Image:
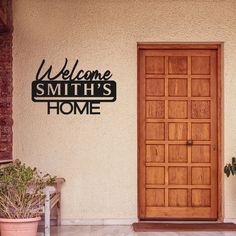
column 218, row 46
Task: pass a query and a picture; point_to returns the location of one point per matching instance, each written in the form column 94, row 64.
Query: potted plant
column 21, row 198
column 230, row 168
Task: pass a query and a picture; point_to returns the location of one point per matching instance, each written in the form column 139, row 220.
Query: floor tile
column 157, row 234
column 230, row 233
column 71, row 231
column 111, row 230
column 202, row 233
column 126, row 230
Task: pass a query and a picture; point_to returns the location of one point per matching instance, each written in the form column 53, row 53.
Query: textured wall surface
column 5, row 96
column 98, row 154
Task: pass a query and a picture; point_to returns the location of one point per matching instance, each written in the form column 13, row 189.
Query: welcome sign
column 73, row 91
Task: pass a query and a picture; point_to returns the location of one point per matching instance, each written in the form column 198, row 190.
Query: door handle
column 189, row 142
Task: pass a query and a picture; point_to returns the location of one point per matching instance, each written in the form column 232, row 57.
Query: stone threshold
column 182, row 226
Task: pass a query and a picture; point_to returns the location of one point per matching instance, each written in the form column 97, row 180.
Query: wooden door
column 177, row 133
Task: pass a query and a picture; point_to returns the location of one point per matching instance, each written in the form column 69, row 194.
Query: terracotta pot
column 19, row 227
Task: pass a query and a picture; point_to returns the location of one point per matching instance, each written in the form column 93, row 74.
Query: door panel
column 177, row 133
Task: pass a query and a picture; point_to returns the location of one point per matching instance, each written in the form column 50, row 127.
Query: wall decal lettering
column 73, row 91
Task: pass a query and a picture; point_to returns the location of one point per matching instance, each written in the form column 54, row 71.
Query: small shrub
column 21, row 191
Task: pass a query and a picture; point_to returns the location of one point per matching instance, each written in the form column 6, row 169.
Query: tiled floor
column 123, row 231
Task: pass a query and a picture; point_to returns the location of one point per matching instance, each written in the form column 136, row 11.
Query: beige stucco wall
column 98, row 154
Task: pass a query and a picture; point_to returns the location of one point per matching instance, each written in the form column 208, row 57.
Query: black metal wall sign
column 73, row 91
